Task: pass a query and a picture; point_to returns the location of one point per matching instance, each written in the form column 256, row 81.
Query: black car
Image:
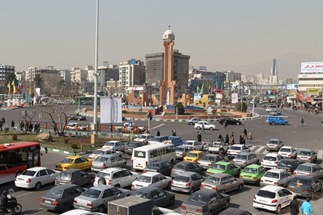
column 205, row 202
column 61, row 197
column 161, row 197
column 74, row 176
column 131, row 145
column 305, row 186
column 77, row 117
column 186, row 166
column 288, row 164
column 230, row 121
column 164, row 167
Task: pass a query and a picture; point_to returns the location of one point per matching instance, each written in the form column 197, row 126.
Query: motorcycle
column 13, row 207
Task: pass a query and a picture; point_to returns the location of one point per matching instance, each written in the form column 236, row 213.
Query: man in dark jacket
column 294, row 207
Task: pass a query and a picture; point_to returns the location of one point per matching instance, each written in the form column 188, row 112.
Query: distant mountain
column 288, row 64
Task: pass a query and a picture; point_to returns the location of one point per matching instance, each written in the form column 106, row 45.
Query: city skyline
column 243, row 36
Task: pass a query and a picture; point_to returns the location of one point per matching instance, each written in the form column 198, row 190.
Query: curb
column 58, row 150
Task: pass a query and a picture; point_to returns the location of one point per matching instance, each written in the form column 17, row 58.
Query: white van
column 143, row 155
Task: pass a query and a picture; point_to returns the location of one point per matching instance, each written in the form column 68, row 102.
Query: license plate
column 138, row 166
column 47, row 202
column 268, row 181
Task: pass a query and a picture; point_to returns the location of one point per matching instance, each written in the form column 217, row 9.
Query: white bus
column 143, row 155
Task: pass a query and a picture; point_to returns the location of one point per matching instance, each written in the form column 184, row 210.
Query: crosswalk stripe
column 252, row 148
column 260, row 148
column 264, row 152
column 320, row 154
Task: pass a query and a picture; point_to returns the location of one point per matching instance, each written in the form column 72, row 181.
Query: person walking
column 199, row 137
column 158, row 133
column 302, row 121
column 294, row 207
column 307, row 207
column 1, row 125
column 227, row 139
column 203, row 129
column 225, row 124
column 245, row 132
column 220, row 137
column 249, row 136
column 173, row 133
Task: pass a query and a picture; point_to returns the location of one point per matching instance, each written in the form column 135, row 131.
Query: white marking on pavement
column 265, row 152
column 260, row 148
column 320, row 154
column 25, row 194
column 157, row 126
column 252, row 148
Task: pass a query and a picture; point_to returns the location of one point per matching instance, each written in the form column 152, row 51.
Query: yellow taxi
column 74, row 162
column 193, row 156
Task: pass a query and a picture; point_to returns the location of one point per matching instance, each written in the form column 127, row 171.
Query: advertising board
column 312, row 67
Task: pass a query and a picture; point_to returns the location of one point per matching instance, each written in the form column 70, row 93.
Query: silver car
column 207, row 160
column 222, row 182
column 187, row 182
column 106, row 161
column 181, row 152
column 274, row 145
column 311, row 169
column 115, row 145
column 307, row 155
column 97, row 198
column 278, row 177
column 244, row 159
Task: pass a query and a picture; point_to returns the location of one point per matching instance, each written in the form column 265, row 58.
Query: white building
column 311, row 76
column 131, row 73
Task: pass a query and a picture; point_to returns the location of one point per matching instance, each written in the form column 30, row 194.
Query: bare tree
column 28, row 116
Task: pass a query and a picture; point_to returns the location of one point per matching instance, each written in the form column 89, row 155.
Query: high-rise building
column 5, row 70
column 131, row 73
column 47, row 73
column 273, row 79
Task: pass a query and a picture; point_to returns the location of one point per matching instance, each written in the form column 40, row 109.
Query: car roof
column 220, row 175
column 223, row 162
column 272, row 188
column 253, row 166
column 288, row 160
column 151, row 173
column 190, row 141
column 246, row 153
column 276, row 170
column 304, row 176
column 288, row 147
column 307, row 150
column 187, row 173
column 183, row 162
column 148, row 189
column 272, row 154
column 110, row 155
column 71, row 170
column 73, row 156
column 204, row 192
column 113, row 141
column 238, row 145
column 212, row 155
column 101, row 187
column 308, row 164
column 111, row 169
column 273, row 139
column 37, row 168
column 65, row 186
column 196, row 151
column 160, row 161
column 182, row 147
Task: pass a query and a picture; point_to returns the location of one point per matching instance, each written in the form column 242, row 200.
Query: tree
column 242, row 108
column 180, row 108
column 28, row 116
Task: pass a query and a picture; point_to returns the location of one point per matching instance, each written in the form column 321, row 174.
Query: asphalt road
column 293, row 134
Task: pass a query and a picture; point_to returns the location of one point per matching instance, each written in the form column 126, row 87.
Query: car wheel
column 240, row 188
column 278, row 209
column 37, row 186
column 238, row 123
column 227, row 204
column 211, row 128
column 199, row 128
column 223, row 191
column 101, row 209
column 171, row 201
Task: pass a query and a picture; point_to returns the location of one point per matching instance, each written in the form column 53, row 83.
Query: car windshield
column 64, row 176
column 92, row 193
column 307, row 153
column 67, row 160
column 103, row 175
column 154, row 165
column 198, row 198
column 250, row 170
column 272, row 142
column 181, row 178
column 270, row 158
column 301, row 181
column 141, row 194
column 304, row 168
column 218, row 166
column 29, row 173
column 235, row 148
column 102, row 159
column 272, row 175
column 140, row 154
column 109, row 144
column 285, row 150
column 214, row 180
column 98, row 152
column 143, row 178
column 180, row 149
column 194, row 155
column 132, row 144
column 209, row 158
column 55, row 192
column 179, row 166
column 188, row 143
column 242, row 157
column 266, row 194
column 285, row 163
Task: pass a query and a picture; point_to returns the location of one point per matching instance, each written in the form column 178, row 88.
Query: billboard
column 110, row 110
column 312, row 67
column 313, row 91
column 234, row 98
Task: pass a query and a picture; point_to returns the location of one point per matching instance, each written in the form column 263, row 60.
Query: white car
column 151, row 179
column 273, row 198
column 288, row 152
column 271, row 160
column 114, row 145
column 274, row 145
column 205, row 124
column 236, row 149
column 35, row 178
column 80, row 212
column 278, row 177
column 144, row 137
column 271, row 107
column 75, row 126
column 99, row 152
column 117, row 177
column 193, row 145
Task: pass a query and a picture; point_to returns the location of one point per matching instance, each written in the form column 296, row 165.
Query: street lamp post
column 96, row 71
column 253, row 104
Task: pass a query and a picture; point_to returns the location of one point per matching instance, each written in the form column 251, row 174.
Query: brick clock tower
column 167, row 85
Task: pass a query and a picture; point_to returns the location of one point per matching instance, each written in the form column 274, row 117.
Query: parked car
column 230, row 121
column 74, row 162
column 100, row 152
column 207, row 126
column 288, row 164
column 307, row 155
column 80, row 211
column 237, row 149
column 288, row 152
column 207, row 160
column 154, row 179
column 271, row 160
column 193, row 156
column 205, row 202
column 312, row 169
column 35, row 177
column 187, row 182
column 97, row 198
column 222, row 183
column 163, row 167
column 269, row 108
column 252, row 173
column 275, row 112
column 77, row 117
column 219, row 146
column 274, row 145
column 305, row 186
column 175, row 140
column 144, row 138
column 235, row 211
column 74, row 176
column 193, row 120
column 106, row 161
column 193, row 145
column 61, row 197
column 117, row 177
column 224, row 167
column 276, row 177
column 75, row 126
column 161, row 197
column 244, row 159
column 115, row 145
column 273, row 198
column 131, row 145
column 181, row 152
column 183, row 166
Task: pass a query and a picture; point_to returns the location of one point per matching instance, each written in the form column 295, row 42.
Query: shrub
column 6, row 130
column 74, row 146
column 14, row 137
column 180, row 108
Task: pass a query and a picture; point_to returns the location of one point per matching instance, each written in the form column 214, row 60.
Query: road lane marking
column 260, row 148
column 157, row 126
column 25, row 194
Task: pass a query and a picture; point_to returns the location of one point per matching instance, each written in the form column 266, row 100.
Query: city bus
column 17, row 157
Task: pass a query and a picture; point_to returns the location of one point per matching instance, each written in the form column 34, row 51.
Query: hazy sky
column 220, row 34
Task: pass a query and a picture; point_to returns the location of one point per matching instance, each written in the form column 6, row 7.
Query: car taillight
column 298, row 157
column 309, row 158
column 261, row 180
column 183, row 207
column 89, row 204
column 274, row 201
column 289, row 155
column 109, row 182
column 172, row 182
column 294, row 173
column 55, row 203
column 244, row 162
column 28, row 180
column 199, row 210
column 305, row 190
column 198, row 162
column 144, row 170
column 132, row 186
column 276, row 162
column 75, row 201
column 202, row 186
column 209, row 164
column 254, row 197
column 214, row 188
column 275, row 182
column 103, row 165
column 41, row 200
column 188, row 184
